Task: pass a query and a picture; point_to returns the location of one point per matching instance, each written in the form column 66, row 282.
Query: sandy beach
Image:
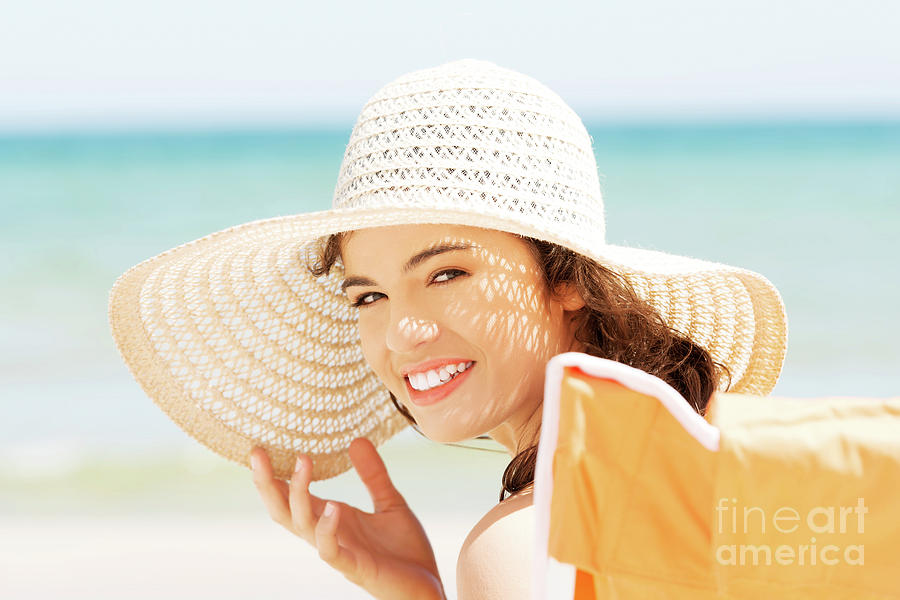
column 103, row 523
column 181, row 556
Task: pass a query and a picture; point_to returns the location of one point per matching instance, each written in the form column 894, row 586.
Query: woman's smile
column 431, row 388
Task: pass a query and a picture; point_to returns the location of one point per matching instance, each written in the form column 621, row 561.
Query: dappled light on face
column 483, row 299
column 507, row 308
column 521, row 311
column 415, row 330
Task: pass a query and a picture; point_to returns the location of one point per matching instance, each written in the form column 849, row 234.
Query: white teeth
column 421, row 382
column 434, row 378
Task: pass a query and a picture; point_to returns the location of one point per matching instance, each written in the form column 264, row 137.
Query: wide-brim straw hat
column 241, row 346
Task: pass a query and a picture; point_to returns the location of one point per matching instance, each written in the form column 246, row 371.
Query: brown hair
column 614, row 324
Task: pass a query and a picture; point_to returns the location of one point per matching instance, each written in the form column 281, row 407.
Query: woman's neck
column 517, row 436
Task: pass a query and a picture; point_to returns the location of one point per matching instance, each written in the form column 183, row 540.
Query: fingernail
column 329, row 509
column 254, row 462
column 298, row 466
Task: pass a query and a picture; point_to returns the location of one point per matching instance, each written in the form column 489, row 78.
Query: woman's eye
column 361, row 299
column 444, row 272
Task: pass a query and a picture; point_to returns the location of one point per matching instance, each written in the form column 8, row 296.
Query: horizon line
column 326, row 125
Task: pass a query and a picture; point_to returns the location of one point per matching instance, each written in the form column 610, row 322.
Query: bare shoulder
column 495, row 559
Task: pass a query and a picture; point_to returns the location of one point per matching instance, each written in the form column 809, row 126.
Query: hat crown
column 470, row 134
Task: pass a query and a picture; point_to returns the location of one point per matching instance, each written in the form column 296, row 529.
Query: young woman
column 477, row 312
column 464, row 250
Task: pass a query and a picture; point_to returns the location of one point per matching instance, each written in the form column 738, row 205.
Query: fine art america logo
column 748, row 523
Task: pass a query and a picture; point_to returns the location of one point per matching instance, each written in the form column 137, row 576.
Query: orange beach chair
column 638, row 496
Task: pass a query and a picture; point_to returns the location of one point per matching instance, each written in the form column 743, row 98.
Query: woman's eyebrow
column 412, row 263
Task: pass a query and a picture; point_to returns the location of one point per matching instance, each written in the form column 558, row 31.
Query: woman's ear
column 568, row 296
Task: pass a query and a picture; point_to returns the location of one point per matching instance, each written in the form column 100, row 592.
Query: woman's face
column 440, row 295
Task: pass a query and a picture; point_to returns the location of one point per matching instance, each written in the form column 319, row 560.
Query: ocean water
column 814, row 206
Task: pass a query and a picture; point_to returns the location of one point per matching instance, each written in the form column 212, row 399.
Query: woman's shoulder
column 495, row 559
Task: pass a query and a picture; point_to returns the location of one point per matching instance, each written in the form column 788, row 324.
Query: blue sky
column 109, row 63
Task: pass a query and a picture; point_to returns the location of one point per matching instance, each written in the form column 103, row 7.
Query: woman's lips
column 426, row 397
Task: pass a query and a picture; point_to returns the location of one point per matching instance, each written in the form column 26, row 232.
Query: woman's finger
column 374, row 475
column 274, row 492
column 330, row 550
column 305, row 508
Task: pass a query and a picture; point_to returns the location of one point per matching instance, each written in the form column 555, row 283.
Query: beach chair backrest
column 638, row 496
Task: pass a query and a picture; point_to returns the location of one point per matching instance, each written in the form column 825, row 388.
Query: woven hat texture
column 241, row 346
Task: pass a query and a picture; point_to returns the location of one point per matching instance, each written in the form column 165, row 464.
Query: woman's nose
column 406, row 333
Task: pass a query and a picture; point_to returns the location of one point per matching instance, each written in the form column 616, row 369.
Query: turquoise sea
column 814, row 206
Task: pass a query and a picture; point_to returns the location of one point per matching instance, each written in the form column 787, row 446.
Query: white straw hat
column 241, row 346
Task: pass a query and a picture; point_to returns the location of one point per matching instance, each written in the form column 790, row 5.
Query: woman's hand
column 385, row 552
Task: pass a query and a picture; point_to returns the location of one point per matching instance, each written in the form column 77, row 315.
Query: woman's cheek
column 373, row 349
column 467, row 303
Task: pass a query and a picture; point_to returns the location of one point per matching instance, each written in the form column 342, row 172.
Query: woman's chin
column 441, row 438
column 442, row 435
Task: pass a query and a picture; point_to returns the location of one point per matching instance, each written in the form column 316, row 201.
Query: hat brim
column 241, row 346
